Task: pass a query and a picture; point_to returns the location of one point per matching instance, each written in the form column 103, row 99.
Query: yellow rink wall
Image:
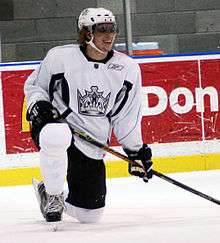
column 118, row 168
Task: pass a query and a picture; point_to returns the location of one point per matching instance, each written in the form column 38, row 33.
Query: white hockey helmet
column 93, row 16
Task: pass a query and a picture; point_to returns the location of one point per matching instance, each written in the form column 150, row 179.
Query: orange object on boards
column 147, row 52
column 141, row 48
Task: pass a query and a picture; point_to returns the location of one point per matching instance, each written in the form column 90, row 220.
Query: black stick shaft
column 185, row 187
column 87, row 138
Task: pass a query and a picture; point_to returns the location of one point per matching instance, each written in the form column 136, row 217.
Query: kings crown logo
column 93, row 103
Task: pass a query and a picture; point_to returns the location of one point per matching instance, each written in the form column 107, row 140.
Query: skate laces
column 55, row 203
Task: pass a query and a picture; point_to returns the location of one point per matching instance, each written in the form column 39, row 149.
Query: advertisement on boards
column 180, row 104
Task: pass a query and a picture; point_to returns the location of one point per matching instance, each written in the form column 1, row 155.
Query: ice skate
column 51, row 206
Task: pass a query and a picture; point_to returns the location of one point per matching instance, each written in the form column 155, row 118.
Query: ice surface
column 156, row 212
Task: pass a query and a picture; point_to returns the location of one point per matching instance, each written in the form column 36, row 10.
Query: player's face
column 104, row 36
column 104, row 41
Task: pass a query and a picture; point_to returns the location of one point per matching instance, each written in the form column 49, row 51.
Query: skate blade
column 54, row 226
column 35, row 183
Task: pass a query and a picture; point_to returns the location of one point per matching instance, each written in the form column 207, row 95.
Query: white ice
column 156, row 212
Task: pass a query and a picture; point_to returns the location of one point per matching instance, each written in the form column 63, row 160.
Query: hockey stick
column 89, row 139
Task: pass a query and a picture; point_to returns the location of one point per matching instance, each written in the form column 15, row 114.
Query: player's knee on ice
column 84, row 215
column 55, row 138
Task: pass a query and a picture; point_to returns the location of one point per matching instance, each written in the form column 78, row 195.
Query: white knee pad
column 84, row 215
column 54, row 140
column 55, row 137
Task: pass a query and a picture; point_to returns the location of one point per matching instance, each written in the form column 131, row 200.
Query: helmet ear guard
column 84, row 35
column 89, row 36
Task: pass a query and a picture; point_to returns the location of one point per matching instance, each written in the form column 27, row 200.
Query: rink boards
column 180, row 117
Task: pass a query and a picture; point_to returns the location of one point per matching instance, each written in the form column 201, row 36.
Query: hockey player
column 95, row 89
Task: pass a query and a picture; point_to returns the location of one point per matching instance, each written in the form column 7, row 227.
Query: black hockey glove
column 41, row 113
column 143, row 156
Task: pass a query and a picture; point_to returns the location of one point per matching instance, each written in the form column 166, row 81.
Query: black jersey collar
column 105, row 60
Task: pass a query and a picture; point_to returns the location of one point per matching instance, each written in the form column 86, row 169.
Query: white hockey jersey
column 92, row 96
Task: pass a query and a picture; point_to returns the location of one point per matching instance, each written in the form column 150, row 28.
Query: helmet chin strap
column 91, row 43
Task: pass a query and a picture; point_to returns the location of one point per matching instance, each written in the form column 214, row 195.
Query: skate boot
column 51, row 206
column 54, row 208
